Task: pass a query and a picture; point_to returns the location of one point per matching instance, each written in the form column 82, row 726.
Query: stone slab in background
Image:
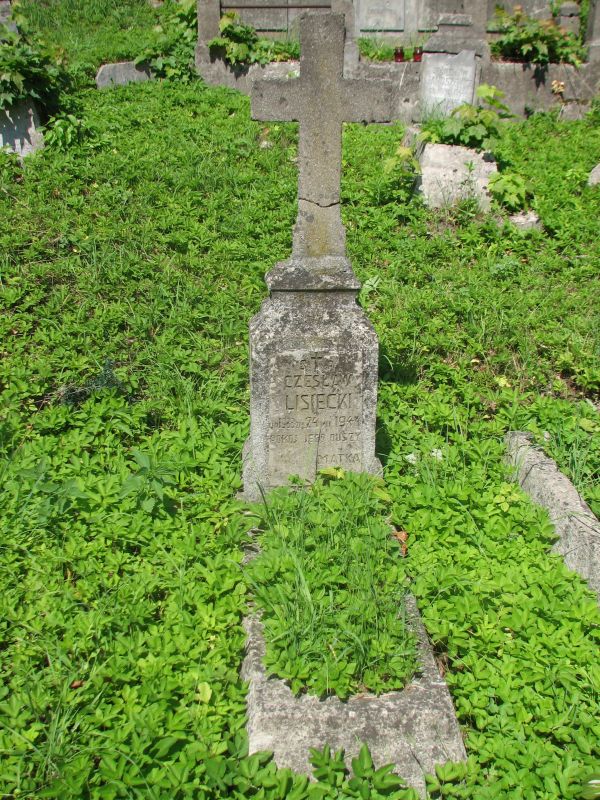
column 569, row 17
column 19, row 129
column 594, row 176
column 447, row 82
column 415, row 729
column 121, row 73
column 406, row 77
column 539, row 9
column 528, row 87
column 450, row 174
column 5, row 12
column 526, row 220
column 577, row 527
column 218, row 73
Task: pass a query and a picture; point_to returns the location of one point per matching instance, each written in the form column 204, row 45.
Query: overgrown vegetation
column 90, row 33
column 171, row 54
column 330, row 583
column 476, row 126
column 480, row 127
column 375, row 49
column 523, row 38
column 240, row 45
column 28, row 71
column 129, row 271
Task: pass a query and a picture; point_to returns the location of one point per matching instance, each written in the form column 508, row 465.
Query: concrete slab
column 577, row 527
column 218, row 73
column 5, row 15
column 594, row 176
column 526, row 220
column 414, row 729
column 450, row 173
column 19, row 129
column 121, row 73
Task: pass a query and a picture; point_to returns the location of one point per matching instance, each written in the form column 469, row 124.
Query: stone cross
column 321, row 99
column 313, row 352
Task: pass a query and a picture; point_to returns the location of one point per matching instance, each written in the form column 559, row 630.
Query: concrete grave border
column 122, row 73
column 20, row 128
column 415, row 729
column 576, row 525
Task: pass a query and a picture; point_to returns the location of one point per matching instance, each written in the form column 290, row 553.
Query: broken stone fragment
column 450, row 174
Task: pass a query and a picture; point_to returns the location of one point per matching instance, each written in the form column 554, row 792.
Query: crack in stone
column 319, row 205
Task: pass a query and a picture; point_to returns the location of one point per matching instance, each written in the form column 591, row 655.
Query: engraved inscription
column 315, row 412
column 446, row 83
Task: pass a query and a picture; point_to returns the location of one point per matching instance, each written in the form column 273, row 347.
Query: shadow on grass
column 402, row 372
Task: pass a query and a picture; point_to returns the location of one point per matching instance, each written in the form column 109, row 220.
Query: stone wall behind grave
column 396, row 19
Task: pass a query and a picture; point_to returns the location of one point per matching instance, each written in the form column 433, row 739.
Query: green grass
column 376, row 49
column 92, row 32
column 130, row 266
column 330, row 583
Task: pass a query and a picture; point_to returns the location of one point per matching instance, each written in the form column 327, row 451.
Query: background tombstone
column 121, row 73
column 461, row 25
column 313, row 352
column 5, row 15
column 447, row 81
column 593, row 31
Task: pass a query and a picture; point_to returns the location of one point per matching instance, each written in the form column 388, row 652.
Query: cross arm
column 368, row 100
column 277, row 99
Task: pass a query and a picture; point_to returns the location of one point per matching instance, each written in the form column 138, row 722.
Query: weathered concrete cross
column 321, row 99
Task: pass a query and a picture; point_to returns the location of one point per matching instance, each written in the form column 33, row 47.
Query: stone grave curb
column 451, row 173
column 122, row 73
column 414, row 729
column 577, row 527
column 218, row 73
column 20, row 128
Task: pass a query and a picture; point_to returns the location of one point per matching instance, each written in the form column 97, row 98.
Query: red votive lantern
column 399, row 55
column 418, row 54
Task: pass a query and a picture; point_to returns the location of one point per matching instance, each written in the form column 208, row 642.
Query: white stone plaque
column 381, row 15
column 447, row 82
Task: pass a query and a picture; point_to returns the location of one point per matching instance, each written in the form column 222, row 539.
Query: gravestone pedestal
column 313, row 377
column 313, row 352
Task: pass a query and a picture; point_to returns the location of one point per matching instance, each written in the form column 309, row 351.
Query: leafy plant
column 366, row 783
column 171, row 55
column 470, row 125
column 330, row 583
column 391, row 176
column 510, row 190
column 239, row 44
column 10, row 167
column 120, row 628
column 537, row 41
column 27, row 71
column 64, row 131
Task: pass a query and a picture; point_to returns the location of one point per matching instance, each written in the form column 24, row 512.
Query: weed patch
column 330, row 583
column 91, row 33
column 120, row 540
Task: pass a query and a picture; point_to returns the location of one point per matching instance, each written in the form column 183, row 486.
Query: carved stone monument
column 313, row 352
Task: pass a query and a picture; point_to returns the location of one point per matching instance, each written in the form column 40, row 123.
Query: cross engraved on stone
column 321, row 99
